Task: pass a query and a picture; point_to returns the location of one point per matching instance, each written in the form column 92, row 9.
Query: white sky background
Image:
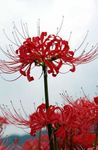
column 80, row 16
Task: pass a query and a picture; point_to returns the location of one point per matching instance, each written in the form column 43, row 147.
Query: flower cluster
column 44, row 50
column 76, row 122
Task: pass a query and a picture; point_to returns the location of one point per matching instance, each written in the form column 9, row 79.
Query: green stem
column 46, row 87
column 49, row 126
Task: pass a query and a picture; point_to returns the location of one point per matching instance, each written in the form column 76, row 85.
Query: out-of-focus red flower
column 35, row 144
column 43, row 50
column 78, row 119
column 85, row 140
column 3, row 147
column 42, row 117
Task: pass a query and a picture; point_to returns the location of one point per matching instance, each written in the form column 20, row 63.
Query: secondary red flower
column 78, row 119
column 49, row 50
column 42, row 117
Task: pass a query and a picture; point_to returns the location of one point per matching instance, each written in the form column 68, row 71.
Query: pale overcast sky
column 79, row 16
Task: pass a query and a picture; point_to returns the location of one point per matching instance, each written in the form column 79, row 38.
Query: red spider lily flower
column 89, row 109
column 36, row 121
column 78, row 122
column 42, row 117
column 68, row 122
column 78, row 118
column 35, row 144
column 43, row 50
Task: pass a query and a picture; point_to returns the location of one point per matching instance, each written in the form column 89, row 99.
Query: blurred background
column 79, row 17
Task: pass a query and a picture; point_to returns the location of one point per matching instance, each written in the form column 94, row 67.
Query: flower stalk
column 49, row 126
column 46, row 86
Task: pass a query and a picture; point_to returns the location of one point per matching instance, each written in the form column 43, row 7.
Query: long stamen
column 60, row 27
column 16, row 38
column 17, row 30
column 82, row 42
column 23, row 29
column 9, row 38
column 26, row 29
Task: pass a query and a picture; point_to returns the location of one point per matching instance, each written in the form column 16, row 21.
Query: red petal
column 28, row 74
column 73, row 69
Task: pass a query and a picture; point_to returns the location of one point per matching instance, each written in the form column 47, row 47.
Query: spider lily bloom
column 49, row 50
column 43, row 50
column 89, row 109
column 36, row 121
column 41, row 118
column 78, row 120
column 67, row 124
